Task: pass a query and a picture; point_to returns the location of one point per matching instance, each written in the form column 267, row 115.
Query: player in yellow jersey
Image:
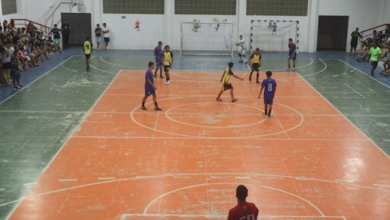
column 256, row 64
column 88, row 51
column 225, row 79
column 168, row 61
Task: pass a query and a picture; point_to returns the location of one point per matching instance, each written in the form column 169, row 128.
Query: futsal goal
column 200, row 38
column 264, row 37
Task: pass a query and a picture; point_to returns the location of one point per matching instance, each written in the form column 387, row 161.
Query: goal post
column 208, row 39
column 264, row 37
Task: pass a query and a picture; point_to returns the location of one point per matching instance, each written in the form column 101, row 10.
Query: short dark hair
column 241, row 192
column 104, row 23
column 87, row 37
column 55, row 25
column 240, row 35
column 290, row 39
column 269, row 73
column 98, row 25
column 150, row 64
column 166, row 46
column 257, row 49
column 159, row 42
column 230, row 64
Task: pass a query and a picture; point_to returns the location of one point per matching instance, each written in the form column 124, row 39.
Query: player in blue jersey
column 292, row 53
column 150, row 89
column 269, row 93
column 158, row 53
column 274, row 28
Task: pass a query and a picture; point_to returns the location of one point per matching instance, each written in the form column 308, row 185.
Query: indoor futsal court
column 75, row 143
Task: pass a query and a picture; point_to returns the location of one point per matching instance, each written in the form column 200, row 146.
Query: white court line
column 35, row 80
column 182, row 174
column 247, row 184
column 344, row 181
column 184, row 135
column 106, row 178
column 326, row 67
column 355, row 90
column 186, row 216
column 2, row 189
column 347, row 119
column 242, row 177
column 364, row 73
column 29, row 184
column 69, row 69
column 305, row 178
column 101, row 58
column 381, row 185
column 66, row 140
column 67, row 180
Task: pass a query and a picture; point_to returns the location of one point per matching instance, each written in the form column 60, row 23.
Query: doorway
column 332, row 33
column 80, row 27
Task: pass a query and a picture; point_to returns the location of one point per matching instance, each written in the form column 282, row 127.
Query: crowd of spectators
column 24, row 48
column 382, row 40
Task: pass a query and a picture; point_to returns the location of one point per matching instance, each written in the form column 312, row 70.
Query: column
column 312, row 31
column 169, row 10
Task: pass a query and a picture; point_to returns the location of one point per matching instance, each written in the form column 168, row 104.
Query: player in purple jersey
column 158, row 53
column 150, row 89
column 292, row 53
column 269, row 93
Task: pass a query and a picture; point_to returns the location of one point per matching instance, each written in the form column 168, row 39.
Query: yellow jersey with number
column 87, row 47
column 226, row 76
column 167, row 58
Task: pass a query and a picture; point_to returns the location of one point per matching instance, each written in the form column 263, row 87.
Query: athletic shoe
column 20, row 86
column 218, row 99
column 258, row 82
column 169, row 82
column 166, row 83
column 293, row 68
column 157, row 108
column 240, row 61
column 265, row 114
column 288, row 69
column 161, row 77
column 246, row 62
column 268, row 115
column 16, row 88
column 143, row 108
column 234, row 100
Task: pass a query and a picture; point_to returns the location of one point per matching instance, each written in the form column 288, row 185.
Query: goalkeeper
column 243, row 50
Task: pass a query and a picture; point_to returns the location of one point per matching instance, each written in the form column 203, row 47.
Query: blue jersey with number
column 269, row 88
column 149, row 75
column 291, row 49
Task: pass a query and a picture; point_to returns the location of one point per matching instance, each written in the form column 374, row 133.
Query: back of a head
column 290, row 40
column 150, row 64
column 231, row 64
column 88, row 38
column 241, row 192
column 269, row 73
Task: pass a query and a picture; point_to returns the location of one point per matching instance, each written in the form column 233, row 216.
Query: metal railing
column 369, row 32
column 20, row 22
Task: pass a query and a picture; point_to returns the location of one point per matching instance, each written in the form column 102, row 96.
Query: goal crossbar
column 206, row 39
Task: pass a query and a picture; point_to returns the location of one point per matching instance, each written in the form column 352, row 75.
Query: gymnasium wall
column 167, row 27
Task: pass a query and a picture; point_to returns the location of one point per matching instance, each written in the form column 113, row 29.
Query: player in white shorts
column 243, row 49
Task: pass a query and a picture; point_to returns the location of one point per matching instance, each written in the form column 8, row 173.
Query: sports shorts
column 268, row 101
column 149, row 92
column 227, row 86
column 255, row 66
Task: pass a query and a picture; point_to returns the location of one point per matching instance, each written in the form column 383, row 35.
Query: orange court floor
column 306, row 161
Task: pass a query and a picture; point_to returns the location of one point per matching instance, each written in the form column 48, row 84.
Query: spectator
column 57, row 38
column 65, row 34
column 386, row 66
column 11, row 25
column 30, row 27
column 5, row 24
column 106, row 34
column 15, row 73
column 5, row 58
column 244, row 210
column 354, row 41
column 22, row 58
column 98, row 34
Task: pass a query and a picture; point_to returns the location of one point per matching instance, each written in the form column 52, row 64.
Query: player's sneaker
column 293, row 68
column 257, row 82
column 143, row 108
column 169, row 82
column 288, row 69
column 240, row 61
column 268, row 115
column 234, row 100
column 166, row 83
column 218, row 99
column 157, row 108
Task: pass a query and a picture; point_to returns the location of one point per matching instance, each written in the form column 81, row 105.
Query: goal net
column 199, row 38
column 264, row 37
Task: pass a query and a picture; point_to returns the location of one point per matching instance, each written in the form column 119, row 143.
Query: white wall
column 166, row 28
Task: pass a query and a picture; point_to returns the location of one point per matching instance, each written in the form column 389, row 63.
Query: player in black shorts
column 256, row 64
column 354, row 41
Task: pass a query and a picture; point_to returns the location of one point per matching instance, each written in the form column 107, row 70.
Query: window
column 133, row 6
column 277, row 7
column 9, row 7
column 205, row 7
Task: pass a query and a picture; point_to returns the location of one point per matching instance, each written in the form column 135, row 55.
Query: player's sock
column 269, row 113
column 294, row 66
column 289, row 66
column 265, row 112
column 143, row 104
column 257, row 77
column 155, row 104
column 231, row 94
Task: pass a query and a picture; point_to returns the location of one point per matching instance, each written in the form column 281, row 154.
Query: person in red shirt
column 243, row 210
